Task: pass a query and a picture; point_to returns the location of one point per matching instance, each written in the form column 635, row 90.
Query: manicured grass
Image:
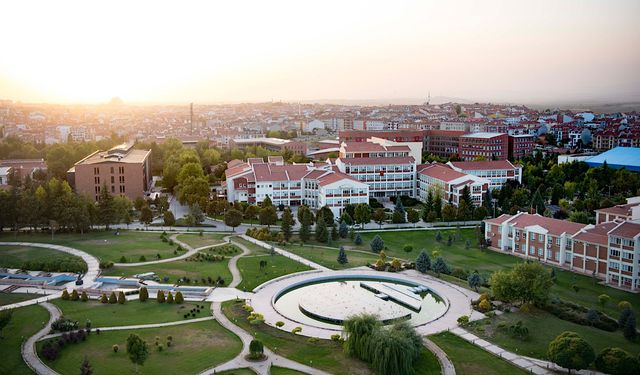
column 9, row 298
column 543, row 328
column 277, row 265
column 25, row 322
column 284, row 371
column 242, row 371
column 469, row 359
column 131, row 313
column 105, row 245
column 197, row 241
column 427, row 364
column 196, row 347
column 17, row 256
column 324, row 354
column 194, row 270
column 329, row 257
column 253, row 248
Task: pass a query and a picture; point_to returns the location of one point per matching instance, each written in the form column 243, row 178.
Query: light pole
column 494, row 200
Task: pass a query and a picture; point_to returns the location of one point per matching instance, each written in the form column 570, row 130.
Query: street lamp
column 494, row 200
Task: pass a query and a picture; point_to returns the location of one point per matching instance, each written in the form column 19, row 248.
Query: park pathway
column 28, row 350
column 93, row 270
column 262, row 367
column 446, row 366
column 140, row 326
column 190, row 251
column 233, row 263
column 289, row 255
column 532, row 365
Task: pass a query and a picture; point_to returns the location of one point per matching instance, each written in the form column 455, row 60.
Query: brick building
column 488, row 145
column 122, row 169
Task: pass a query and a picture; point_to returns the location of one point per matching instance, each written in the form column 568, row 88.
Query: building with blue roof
column 619, row 157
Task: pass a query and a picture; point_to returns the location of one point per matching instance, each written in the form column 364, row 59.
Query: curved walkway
column 28, row 350
column 446, row 366
column 233, row 263
column 263, row 367
column 190, row 251
column 93, row 269
column 140, row 326
column 289, row 255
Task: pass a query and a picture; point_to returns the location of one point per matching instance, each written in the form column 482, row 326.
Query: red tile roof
column 621, row 209
column 597, row 234
column 441, row 172
column 500, row 219
column 482, row 165
column 554, row 226
column 379, row 161
column 626, row 229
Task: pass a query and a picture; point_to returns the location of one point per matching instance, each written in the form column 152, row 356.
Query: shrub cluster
column 581, row 315
column 193, row 312
column 262, row 234
column 53, row 265
column 51, row 349
column 63, row 324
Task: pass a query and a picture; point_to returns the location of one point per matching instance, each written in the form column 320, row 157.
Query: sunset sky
column 229, row 51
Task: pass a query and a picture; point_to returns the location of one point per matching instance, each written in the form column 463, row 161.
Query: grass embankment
column 323, row 354
column 25, row 322
column 131, row 313
column 196, row 347
column 197, row 241
column 105, row 245
column 469, row 359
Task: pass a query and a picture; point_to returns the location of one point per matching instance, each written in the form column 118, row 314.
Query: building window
column 614, row 253
column 111, row 169
column 113, row 179
column 121, row 170
column 96, row 180
column 122, row 179
column 96, row 170
column 113, row 189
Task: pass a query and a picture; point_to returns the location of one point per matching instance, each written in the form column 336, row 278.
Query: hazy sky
column 226, row 51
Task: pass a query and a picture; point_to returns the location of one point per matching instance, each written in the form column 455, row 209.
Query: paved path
column 532, row 365
column 289, row 255
column 140, row 326
column 446, row 366
column 233, row 263
column 93, row 270
column 28, row 350
column 263, row 367
column 190, row 251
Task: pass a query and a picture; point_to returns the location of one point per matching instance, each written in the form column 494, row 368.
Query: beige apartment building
column 122, row 169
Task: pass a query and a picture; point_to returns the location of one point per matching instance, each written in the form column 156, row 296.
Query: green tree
column 449, row 212
column 268, row 215
column 160, row 296
column 256, row 349
column 74, row 295
column 475, row 281
column 346, row 218
column 121, row 298
column 169, row 219
column 379, row 216
column 85, row 368
column 399, row 209
column 266, row 202
column 179, row 300
column 629, row 329
column 342, row 256
column 343, row 230
column 413, row 216
column 395, row 350
column 603, row 299
column 146, row 215
column 362, row 214
column 250, row 213
column 359, row 330
column 440, row 266
column 569, row 350
column 144, row 294
column 287, row 224
column 5, row 319
column 376, row 244
column 169, row 297
column 525, row 282
column 305, row 217
column 465, row 196
column 106, row 207
column 358, row 239
column 322, row 233
column 137, row 350
column 112, row 298
column 423, row 262
column 193, row 190
column 233, row 218
column 616, row 361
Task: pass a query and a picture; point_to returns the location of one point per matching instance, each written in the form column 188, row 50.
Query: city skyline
column 78, row 52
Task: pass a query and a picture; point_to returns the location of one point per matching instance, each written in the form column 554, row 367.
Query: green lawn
column 132, row 312
column 105, row 245
column 543, row 328
column 9, row 298
column 40, row 259
column 324, row 354
column 194, row 270
column 485, row 261
column 25, row 322
column 427, row 364
column 196, row 346
column 284, row 371
column 329, row 257
column 242, row 371
column 277, row 265
column 469, row 359
column 196, row 240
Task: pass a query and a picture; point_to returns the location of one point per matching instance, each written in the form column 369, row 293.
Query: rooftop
column 484, row 135
column 619, row 157
column 482, row 165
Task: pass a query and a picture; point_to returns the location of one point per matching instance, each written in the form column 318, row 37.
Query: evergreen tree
column 440, row 266
column 169, row 297
column 537, row 203
column 104, row 298
column 399, row 208
column 362, row 214
column 322, row 234
column 267, row 202
column 144, row 294
column 377, row 244
column 160, row 296
column 429, row 203
column 85, row 368
column 179, row 300
column 121, row 298
column 342, row 256
column 343, row 230
column 112, row 298
column 629, row 329
column 287, row 224
column 346, row 218
column 358, row 239
column 475, row 281
column 423, row 262
column 334, row 233
column 268, row 215
column 466, row 196
column 106, row 207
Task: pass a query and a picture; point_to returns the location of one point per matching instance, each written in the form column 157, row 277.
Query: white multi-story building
column 389, row 168
column 498, row 172
column 293, row 185
column 449, row 184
